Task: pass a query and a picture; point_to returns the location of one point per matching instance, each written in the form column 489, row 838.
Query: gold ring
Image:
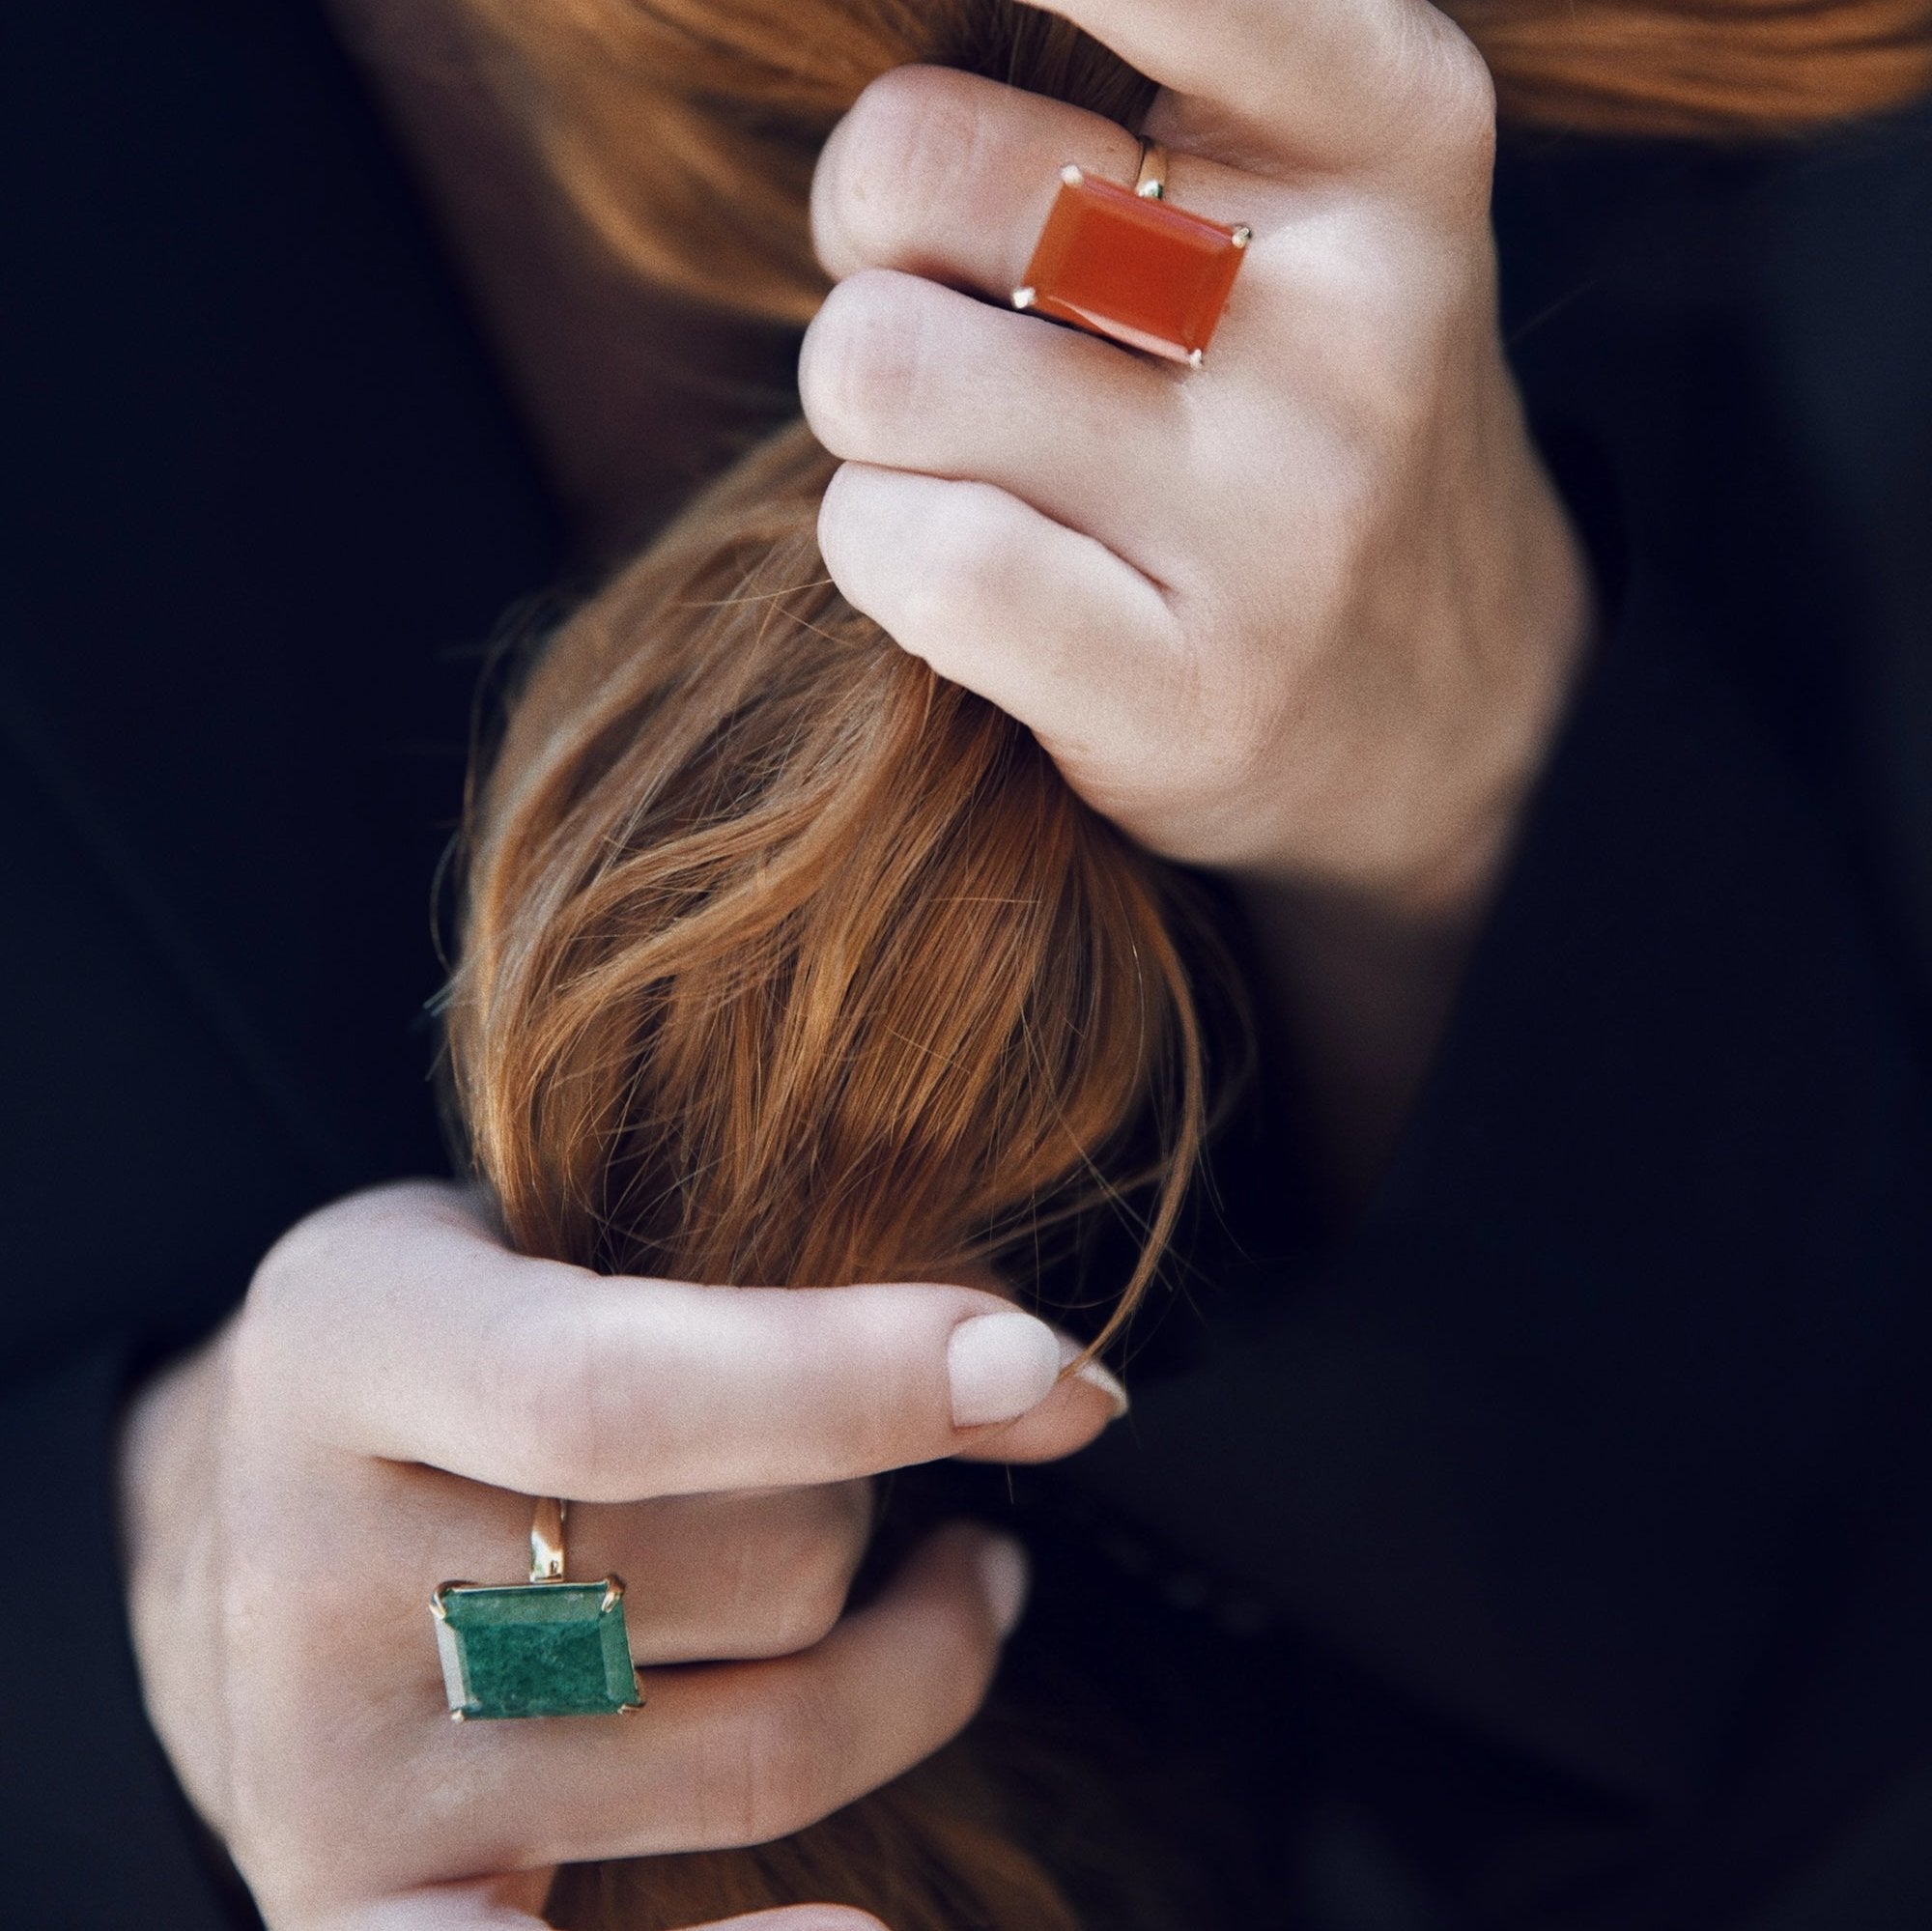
column 1127, row 263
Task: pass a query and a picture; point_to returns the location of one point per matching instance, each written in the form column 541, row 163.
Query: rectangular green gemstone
column 537, row 1649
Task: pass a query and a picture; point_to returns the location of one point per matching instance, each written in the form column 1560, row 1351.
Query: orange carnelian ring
column 1132, row 268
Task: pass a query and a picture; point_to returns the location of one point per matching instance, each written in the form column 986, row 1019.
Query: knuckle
column 841, row 517
column 570, row 1416
column 863, row 359
column 971, row 557
column 792, row 1579
column 1457, row 94
column 784, row 1771
column 289, row 1280
column 904, row 140
column 960, row 1653
column 335, row 1245
column 1243, row 702
column 309, row 1249
column 801, row 1618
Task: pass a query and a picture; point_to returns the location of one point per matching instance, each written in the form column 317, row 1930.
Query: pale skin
column 294, row 1496
column 1306, row 616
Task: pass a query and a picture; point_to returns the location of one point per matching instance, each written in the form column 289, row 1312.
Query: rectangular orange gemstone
column 1131, row 267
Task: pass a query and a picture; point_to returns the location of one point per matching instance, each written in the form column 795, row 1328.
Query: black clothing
column 264, row 507
column 1576, row 1494
column 1592, row 1470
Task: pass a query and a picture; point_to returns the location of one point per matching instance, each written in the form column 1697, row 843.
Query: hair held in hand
column 685, row 131
column 784, row 961
column 788, row 963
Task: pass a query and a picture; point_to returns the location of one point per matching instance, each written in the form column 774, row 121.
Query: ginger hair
column 788, row 963
column 685, row 131
column 785, row 961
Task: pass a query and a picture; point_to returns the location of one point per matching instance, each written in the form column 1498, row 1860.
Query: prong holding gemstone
column 1194, row 360
column 1244, row 235
column 459, row 1716
column 1023, row 298
column 1071, row 175
column 614, row 1594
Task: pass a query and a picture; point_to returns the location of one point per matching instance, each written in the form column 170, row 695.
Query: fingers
column 949, row 175
column 1038, row 619
column 1339, row 83
column 899, row 372
column 547, row 1379
column 742, row 1753
column 728, row 1577
column 708, row 1578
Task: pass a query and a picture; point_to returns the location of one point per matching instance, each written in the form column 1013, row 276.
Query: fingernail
column 1003, row 1572
column 1097, row 1376
column 1093, row 1373
column 1000, row 1366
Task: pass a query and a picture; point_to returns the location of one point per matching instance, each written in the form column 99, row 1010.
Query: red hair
column 785, row 961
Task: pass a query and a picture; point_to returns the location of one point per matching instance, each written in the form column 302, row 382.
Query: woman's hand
column 375, row 1420
column 1305, row 614
column 1302, row 613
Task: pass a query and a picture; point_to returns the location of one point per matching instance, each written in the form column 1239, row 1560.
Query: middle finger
column 903, row 374
column 735, row 1578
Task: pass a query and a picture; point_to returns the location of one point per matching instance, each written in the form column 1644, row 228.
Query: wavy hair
column 785, row 961
column 685, row 131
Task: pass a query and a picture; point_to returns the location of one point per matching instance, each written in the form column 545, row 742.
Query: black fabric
column 1584, row 1473
column 263, row 509
column 1570, row 1509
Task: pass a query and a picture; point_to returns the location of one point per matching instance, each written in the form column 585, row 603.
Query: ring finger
column 722, row 1577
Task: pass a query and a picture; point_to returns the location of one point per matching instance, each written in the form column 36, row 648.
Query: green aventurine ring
column 541, row 1648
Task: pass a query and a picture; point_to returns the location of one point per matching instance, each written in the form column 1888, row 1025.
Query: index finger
column 1338, row 83
column 397, row 1325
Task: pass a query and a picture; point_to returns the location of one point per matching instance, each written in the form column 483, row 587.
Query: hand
column 1305, row 614
column 375, row 1421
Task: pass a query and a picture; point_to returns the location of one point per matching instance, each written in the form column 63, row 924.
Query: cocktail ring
column 1126, row 264
column 541, row 1648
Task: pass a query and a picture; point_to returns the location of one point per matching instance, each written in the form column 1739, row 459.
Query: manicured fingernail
column 1002, row 1572
column 1000, row 1366
column 1097, row 1376
column 1094, row 1373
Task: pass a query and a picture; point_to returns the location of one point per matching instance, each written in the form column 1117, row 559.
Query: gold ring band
column 547, row 1539
column 1150, row 177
